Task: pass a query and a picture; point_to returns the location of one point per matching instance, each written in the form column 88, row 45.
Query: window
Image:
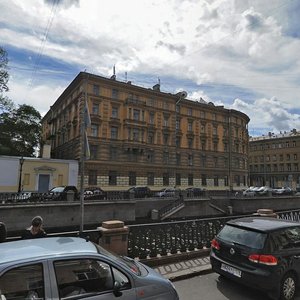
column 87, row 276
column 296, row 168
column 150, row 178
column 178, row 142
column 115, row 112
column 150, row 156
column 215, row 130
column 226, row 181
column 60, row 179
column 114, row 133
column 190, row 143
column 92, row 177
column 216, row 180
column 96, row 89
column 136, row 114
column 94, row 130
column 203, row 178
column 95, row 109
column 112, row 177
column 202, row 114
column 178, row 159
column 178, row 179
column 151, row 118
column 115, row 94
column 132, row 178
column 166, row 157
column 26, row 179
column 177, row 124
column 190, row 126
column 113, row 153
column 94, row 151
column 214, row 116
column 215, row 146
column 150, row 138
column 190, row 159
column 202, row 128
column 190, row 179
column 189, row 111
column 165, row 178
column 203, row 160
column 25, row 282
column 288, row 157
column 166, row 139
column 295, row 156
column 166, row 121
column 136, row 134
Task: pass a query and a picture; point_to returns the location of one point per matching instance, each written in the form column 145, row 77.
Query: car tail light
column 269, row 260
column 215, row 244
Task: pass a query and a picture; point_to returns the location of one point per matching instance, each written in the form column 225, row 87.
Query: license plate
column 231, row 270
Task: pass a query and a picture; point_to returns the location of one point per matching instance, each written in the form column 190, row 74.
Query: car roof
column 265, row 224
column 43, row 248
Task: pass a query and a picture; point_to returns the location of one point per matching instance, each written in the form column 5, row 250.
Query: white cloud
column 235, row 44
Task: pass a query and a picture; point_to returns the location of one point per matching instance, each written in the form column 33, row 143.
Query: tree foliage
column 20, row 131
column 3, row 71
column 20, row 127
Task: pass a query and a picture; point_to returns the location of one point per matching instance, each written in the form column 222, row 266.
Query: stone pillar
column 114, row 236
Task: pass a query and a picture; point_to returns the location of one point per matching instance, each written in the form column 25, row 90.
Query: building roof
column 272, row 136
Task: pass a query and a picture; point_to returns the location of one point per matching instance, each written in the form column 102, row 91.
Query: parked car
column 282, row 191
column 94, row 193
column 264, row 191
column 60, row 193
column 259, row 252
column 249, row 191
column 74, row 268
column 194, row 192
column 167, row 192
column 21, row 197
column 140, row 191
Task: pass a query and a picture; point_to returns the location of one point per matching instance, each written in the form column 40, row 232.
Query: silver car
column 73, row 268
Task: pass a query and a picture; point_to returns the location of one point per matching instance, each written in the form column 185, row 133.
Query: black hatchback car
column 261, row 252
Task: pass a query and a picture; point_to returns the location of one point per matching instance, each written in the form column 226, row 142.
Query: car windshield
column 130, row 263
column 243, row 236
column 58, row 189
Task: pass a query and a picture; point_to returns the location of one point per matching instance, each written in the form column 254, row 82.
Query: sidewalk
column 185, row 269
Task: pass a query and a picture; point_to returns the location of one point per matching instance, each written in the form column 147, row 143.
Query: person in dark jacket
column 35, row 230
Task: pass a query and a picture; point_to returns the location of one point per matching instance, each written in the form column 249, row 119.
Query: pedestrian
column 35, row 230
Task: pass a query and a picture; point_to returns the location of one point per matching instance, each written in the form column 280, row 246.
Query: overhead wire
column 43, row 42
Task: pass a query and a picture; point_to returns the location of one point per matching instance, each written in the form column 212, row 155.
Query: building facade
column 141, row 136
column 274, row 160
column 31, row 174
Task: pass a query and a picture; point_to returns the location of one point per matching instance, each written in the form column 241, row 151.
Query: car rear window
column 243, row 236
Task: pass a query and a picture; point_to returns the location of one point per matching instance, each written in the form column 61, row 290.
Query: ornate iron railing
column 151, row 240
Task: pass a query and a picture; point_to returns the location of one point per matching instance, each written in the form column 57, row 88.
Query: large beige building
column 142, row 136
column 274, row 160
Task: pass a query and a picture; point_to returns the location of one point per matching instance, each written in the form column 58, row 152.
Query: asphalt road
column 213, row 287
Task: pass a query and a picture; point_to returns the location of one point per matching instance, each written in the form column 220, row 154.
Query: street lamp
column 20, row 175
column 181, row 95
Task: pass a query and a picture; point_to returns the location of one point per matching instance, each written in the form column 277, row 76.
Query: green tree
column 3, row 71
column 20, row 131
column 20, row 127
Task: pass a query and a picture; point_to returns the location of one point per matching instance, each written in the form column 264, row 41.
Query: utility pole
column 83, row 126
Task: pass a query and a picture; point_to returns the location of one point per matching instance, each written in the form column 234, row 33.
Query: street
column 213, row 287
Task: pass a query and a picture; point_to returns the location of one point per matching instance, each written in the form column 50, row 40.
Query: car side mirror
column 117, row 288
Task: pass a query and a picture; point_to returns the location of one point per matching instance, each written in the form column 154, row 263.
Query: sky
column 243, row 54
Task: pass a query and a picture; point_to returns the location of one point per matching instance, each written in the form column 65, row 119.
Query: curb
column 185, row 269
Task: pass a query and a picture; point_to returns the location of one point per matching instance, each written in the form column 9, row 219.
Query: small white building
column 36, row 174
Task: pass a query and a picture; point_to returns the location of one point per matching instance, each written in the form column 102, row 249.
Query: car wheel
column 288, row 287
